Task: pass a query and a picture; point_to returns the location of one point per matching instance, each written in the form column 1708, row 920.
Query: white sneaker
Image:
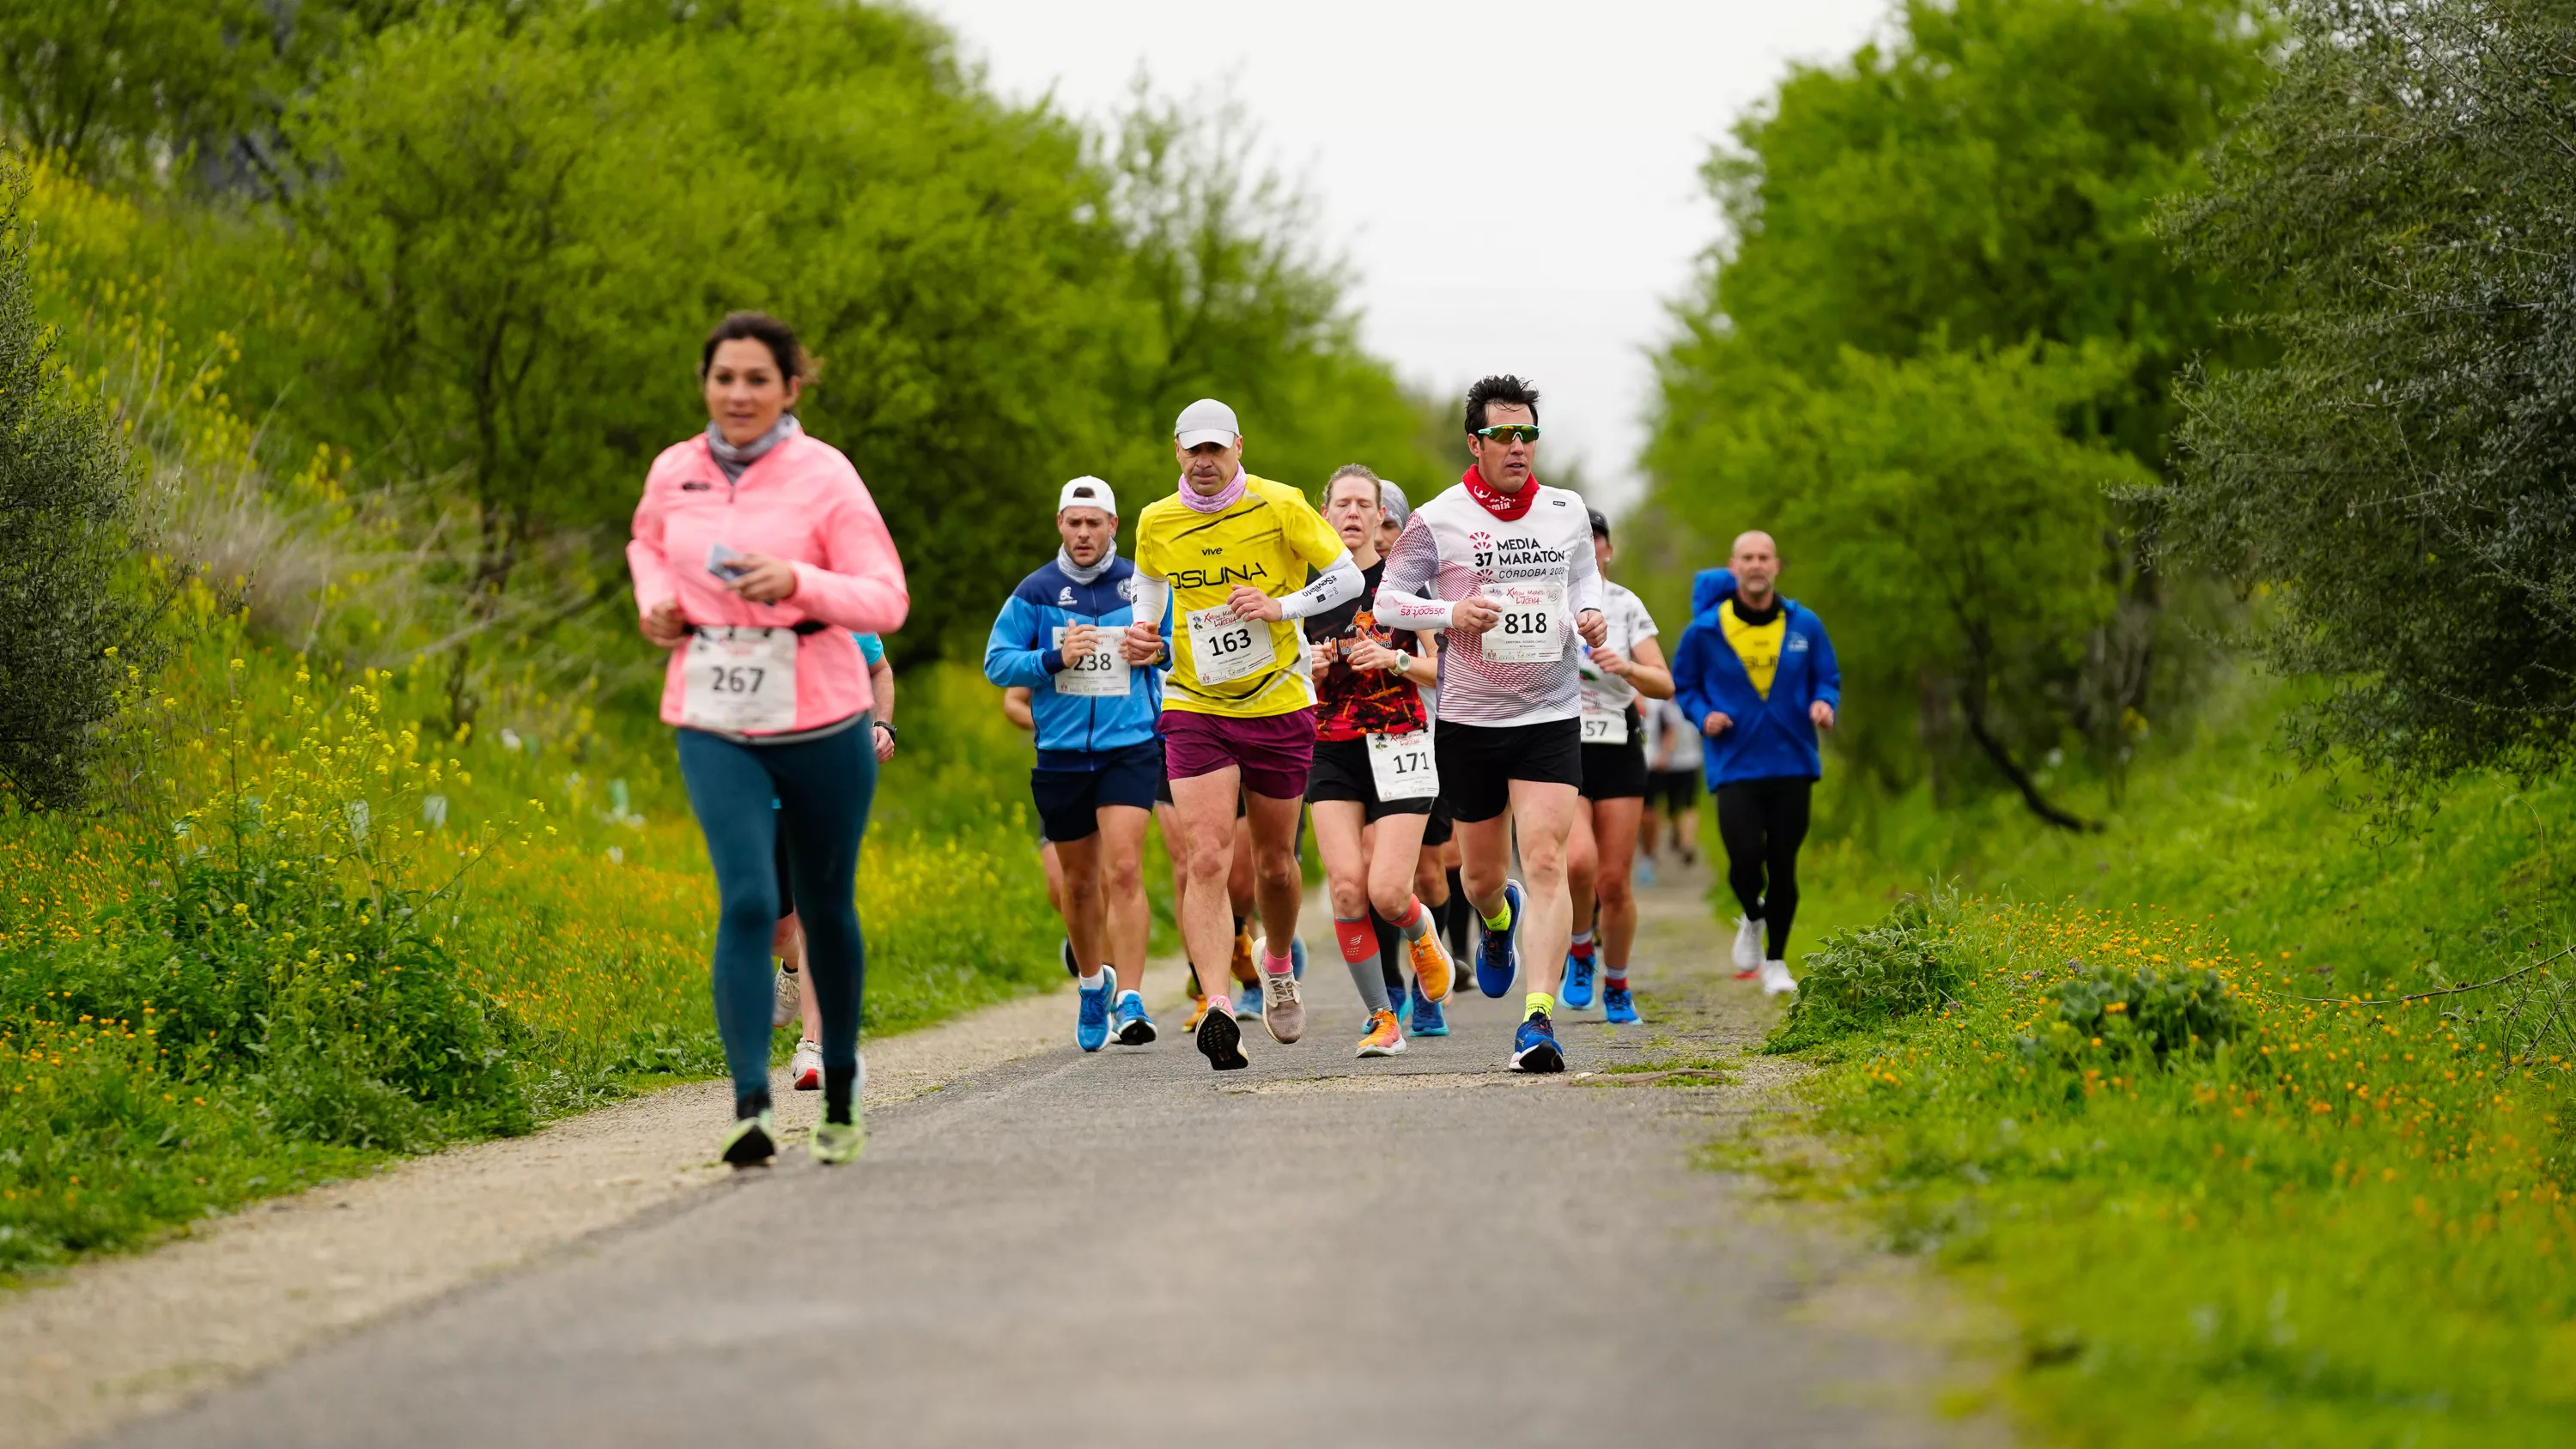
column 785, row 990
column 805, row 1069
column 1776, row 980
column 1748, row 946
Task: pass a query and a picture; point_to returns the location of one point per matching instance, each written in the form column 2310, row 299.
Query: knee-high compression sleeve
column 1358, row 939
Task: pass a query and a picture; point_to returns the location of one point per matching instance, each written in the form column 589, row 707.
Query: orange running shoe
column 1384, row 1038
column 1432, row 966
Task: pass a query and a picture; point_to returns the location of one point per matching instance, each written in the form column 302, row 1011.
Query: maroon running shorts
column 1274, row 752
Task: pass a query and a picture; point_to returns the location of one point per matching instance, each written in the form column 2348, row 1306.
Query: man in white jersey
column 1507, row 564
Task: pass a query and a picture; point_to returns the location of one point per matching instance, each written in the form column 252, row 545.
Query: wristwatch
column 888, row 726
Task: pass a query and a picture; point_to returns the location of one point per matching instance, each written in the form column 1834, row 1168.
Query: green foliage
column 1863, row 977
column 2319, row 1223
column 68, row 536
column 1956, row 220
column 2400, row 473
column 2144, row 1014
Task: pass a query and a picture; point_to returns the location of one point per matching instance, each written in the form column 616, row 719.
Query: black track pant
column 1763, row 822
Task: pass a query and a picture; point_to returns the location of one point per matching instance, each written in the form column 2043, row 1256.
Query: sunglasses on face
column 1510, row 432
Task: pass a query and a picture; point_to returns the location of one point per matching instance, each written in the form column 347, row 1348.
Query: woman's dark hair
column 1500, row 388
column 1600, row 523
column 789, row 353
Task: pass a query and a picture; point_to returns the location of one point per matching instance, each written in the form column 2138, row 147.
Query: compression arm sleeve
column 1152, row 596
column 1583, row 580
column 1339, row 583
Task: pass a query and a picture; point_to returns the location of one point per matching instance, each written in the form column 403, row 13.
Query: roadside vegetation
column 2190, row 920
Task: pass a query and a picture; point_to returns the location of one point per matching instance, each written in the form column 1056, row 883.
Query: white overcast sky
column 1515, row 183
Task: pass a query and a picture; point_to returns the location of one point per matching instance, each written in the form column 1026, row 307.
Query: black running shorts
column 1479, row 762
column 1341, row 772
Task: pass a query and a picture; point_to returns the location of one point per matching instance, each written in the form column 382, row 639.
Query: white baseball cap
column 1206, row 421
column 1087, row 492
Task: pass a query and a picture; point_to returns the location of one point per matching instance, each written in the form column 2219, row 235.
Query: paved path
column 1427, row 1251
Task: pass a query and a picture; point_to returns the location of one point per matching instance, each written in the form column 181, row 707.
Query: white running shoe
column 1748, row 947
column 1776, row 980
column 805, row 1069
column 785, row 991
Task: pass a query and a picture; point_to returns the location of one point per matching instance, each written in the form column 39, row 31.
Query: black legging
column 1763, row 822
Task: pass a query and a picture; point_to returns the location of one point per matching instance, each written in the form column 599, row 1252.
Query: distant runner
column 1435, row 871
column 1228, row 549
column 1373, row 784
column 1509, row 560
column 1672, row 788
column 1099, row 758
column 1758, row 674
column 1604, row 845
column 756, row 553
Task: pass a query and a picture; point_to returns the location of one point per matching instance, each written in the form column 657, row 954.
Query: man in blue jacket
column 1100, row 757
column 1758, row 675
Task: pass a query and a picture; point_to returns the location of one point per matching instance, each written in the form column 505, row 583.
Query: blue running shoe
column 1618, row 1006
column 1534, row 1047
column 1645, row 870
column 1578, row 980
column 1135, row 1028
column 1297, row 957
column 1429, row 1017
column 1403, row 1006
column 1498, row 958
column 1091, row 1023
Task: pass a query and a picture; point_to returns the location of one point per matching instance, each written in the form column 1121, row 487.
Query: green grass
column 2298, row 1223
column 314, row 933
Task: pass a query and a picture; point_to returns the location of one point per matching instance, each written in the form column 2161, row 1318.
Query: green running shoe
column 752, row 1141
column 834, row 1143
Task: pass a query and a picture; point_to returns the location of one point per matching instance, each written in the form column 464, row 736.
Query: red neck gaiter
column 1506, row 506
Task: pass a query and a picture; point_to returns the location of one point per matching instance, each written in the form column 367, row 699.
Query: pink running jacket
column 802, row 502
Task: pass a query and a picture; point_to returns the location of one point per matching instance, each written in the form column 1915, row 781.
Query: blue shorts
column 1069, row 800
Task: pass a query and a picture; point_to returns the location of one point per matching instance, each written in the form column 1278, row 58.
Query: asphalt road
column 1424, row 1251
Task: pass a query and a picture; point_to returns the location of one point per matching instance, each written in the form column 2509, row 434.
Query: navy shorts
column 1069, row 800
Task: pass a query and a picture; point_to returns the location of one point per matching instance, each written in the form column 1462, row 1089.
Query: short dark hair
column 789, row 353
column 1503, row 388
column 1600, row 523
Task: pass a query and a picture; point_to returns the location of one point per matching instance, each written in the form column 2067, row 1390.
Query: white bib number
column 1605, row 727
column 1532, row 628
column 1225, row 646
column 1403, row 766
column 741, row 681
column 1100, row 674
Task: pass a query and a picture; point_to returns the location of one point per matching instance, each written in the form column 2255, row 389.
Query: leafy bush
column 67, row 538
column 1865, row 977
column 2149, row 1011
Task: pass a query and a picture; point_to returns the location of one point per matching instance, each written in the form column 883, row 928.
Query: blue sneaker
column 1534, row 1047
column 1618, row 1007
column 1645, row 870
column 1297, row 957
column 1577, row 991
column 1429, row 1017
column 1135, row 1028
column 1091, row 1022
column 1498, row 958
column 1403, row 1006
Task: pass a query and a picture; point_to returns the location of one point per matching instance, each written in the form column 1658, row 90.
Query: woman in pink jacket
column 757, row 552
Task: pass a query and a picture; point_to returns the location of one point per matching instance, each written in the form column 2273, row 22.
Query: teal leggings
column 822, row 789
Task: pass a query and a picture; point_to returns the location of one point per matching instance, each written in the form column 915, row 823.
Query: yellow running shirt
column 1268, row 539
column 1758, row 645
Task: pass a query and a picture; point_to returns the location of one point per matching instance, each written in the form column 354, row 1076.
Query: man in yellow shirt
column 1231, row 552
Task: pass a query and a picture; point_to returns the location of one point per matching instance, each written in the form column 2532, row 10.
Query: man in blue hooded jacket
column 1100, row 755
column 1757, row 673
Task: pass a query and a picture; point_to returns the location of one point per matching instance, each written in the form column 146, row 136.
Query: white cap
column 1087, row 492
column 1206, row 421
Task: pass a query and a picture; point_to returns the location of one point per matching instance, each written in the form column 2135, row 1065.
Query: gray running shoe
column 784, row 989
column 1283, row 1009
